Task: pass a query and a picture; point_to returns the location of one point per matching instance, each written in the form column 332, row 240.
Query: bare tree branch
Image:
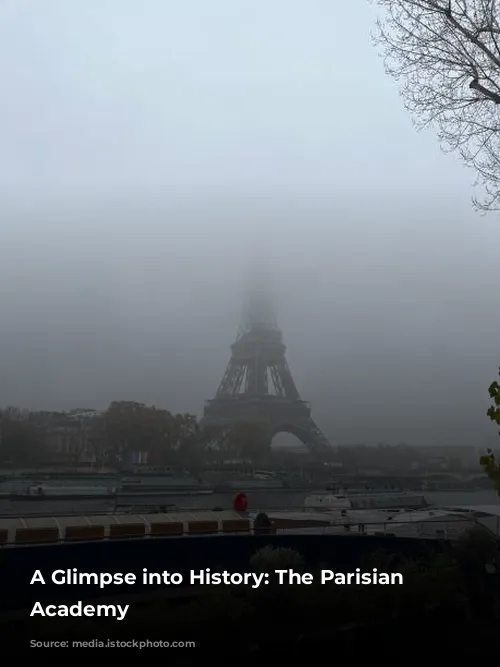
column 440, row 51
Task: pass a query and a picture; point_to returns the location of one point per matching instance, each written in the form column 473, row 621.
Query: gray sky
column 151, row 151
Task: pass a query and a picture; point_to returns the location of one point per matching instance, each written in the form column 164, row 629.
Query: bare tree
column 446, row 54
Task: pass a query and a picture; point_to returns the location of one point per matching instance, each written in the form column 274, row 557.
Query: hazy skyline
column 150, row 154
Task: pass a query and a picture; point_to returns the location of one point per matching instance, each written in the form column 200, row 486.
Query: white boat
column 366, row 501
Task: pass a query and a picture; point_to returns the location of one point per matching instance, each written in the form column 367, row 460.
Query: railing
column 117, row 509
column 142, row 508
column 140, row 530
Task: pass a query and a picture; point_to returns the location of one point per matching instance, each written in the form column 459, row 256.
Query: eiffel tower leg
column 306, row 431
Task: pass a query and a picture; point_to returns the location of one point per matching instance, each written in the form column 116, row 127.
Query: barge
column 40, row 492
column 69, row 528
column 367, row 500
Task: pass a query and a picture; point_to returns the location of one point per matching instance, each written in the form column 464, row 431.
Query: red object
column 240, row 503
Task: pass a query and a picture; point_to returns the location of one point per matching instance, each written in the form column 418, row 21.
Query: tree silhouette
column 446, row 54
column 21, row 441
column 136, row 427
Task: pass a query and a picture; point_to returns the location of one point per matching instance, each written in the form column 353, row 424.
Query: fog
column 155, row 154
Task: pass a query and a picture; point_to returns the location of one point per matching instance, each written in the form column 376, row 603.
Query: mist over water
column 147, row 179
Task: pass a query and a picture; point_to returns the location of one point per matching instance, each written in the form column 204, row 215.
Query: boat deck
column 435, row 523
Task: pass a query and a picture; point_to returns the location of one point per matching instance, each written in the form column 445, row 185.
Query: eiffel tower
column 258, row 387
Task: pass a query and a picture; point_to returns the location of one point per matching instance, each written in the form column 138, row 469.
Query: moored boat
column 344, row 500
column 42, row 492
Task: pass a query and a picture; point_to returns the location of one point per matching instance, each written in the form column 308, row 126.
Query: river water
column 257, row 500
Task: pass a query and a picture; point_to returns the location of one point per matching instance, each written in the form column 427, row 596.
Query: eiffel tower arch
column 258, row 386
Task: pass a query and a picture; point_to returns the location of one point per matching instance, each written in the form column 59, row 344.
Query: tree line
column 116, row 436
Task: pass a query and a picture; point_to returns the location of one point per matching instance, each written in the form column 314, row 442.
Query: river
column 257, row 500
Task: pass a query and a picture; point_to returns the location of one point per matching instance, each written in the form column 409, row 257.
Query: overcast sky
column 151, row 151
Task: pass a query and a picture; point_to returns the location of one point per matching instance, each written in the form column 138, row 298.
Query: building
column 74, row 437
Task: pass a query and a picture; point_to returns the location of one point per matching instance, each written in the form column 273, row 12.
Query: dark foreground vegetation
column 448, row 607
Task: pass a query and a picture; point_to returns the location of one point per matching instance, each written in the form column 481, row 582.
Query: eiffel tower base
column 275, row 414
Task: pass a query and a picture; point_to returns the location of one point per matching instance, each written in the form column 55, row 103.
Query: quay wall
column 341, row 553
